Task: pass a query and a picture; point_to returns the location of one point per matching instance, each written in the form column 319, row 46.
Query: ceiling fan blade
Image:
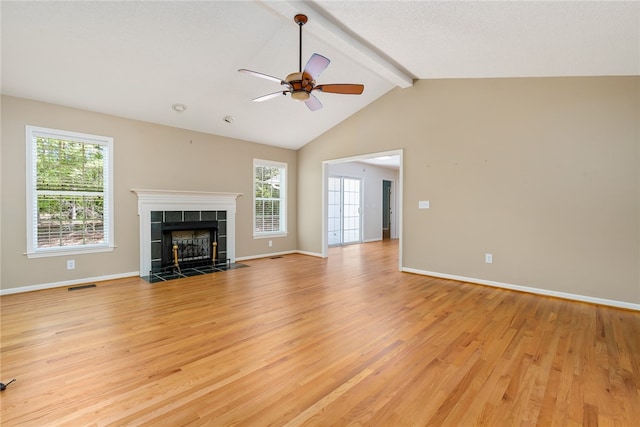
column 346, row 89
column 313, row 103
column 263, row 76
column 269, row 96
column 316, row 65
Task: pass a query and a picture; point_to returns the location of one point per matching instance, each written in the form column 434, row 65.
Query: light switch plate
column 423, row 204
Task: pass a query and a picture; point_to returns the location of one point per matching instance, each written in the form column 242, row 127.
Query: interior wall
column 543, row 173
column 147, row 156
column 372, row 177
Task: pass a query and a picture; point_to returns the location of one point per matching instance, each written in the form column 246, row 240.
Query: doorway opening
column 386, row 209
column 380, row 210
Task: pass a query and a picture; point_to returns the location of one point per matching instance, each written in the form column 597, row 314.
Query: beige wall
column 147, row 156
column 544, row 173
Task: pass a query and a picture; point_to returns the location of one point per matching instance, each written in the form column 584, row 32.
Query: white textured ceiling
column 453, row 39
column 136, row 59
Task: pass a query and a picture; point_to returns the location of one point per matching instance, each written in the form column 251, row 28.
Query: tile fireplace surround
column 168, row 200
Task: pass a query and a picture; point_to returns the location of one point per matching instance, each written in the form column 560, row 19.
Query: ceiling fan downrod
column 300, row 19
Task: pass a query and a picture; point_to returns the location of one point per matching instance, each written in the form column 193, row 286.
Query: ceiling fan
column 301, row 84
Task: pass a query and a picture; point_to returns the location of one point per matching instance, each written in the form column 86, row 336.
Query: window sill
column 269, row 235
column 67, row 252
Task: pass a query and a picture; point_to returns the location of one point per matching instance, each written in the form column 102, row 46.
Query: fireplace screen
column 192, row 245
column 189, row 244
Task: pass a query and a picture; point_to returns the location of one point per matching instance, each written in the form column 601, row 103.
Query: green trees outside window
column 70, row 191
column 269, row 197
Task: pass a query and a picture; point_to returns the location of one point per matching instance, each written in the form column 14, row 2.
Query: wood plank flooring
column 300, row 340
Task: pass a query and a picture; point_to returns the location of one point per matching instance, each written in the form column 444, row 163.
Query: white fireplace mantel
column 168, row 200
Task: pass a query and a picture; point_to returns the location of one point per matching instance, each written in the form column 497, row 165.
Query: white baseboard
column 66, row 283
column 272, row 254
column 545, row 292
column 315, row 254
column 269, row 255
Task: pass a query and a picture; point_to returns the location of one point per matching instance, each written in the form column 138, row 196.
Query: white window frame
column 283, row 199
column 32, row 196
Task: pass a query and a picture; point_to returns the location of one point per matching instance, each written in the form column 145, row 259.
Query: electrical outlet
column 488, row 258
column 270, row 243
column 71, row 264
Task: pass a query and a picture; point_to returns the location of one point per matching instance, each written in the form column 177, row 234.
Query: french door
column 344, row 210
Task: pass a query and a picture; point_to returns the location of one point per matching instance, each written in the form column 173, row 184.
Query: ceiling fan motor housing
column 301, row 85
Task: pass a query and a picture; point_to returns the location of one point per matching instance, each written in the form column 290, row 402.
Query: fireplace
column 205, row 215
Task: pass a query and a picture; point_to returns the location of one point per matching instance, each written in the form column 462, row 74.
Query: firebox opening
column 190, row 244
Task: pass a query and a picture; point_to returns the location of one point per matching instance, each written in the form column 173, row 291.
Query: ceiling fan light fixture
column 300, row 95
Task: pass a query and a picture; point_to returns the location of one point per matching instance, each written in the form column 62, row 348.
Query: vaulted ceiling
column 137, row 59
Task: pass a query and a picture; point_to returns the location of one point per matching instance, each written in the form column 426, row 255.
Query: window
column 69, row 200
column 270, row 179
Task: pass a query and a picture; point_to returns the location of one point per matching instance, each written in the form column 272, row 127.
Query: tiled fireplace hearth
column 203, row 216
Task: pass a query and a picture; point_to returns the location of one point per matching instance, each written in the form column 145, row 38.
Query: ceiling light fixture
column 300, row 95
column 179, row 107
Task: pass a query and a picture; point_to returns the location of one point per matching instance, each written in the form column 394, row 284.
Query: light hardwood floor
column 300, row 340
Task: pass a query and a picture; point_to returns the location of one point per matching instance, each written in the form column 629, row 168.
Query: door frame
column 398, row 189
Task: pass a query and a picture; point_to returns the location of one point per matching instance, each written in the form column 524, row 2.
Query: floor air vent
column 75, row 288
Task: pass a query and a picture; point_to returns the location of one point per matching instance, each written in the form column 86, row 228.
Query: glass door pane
column 334, row 211
column 351, row 210
column 344, row 221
